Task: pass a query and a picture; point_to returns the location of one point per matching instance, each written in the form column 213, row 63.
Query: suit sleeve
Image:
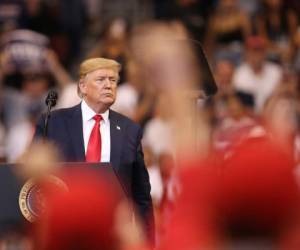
column 141, row 189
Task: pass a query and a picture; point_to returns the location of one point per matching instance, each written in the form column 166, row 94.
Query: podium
column 11, row 187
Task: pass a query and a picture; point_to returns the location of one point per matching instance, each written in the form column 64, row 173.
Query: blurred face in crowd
column 256, row 57
column 223, row 73
column 99, row 88
column 235, row 107
column 35, row 86
column 117, row 29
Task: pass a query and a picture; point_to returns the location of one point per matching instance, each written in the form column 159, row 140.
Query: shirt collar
column 88, row 113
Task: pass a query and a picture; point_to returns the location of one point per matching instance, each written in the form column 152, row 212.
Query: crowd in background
column 253, row 48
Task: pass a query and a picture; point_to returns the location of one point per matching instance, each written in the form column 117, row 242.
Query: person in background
column 112, row 44
column 23, row 107
column 228, row 28
column 65, row 85
column 36, row 15
column 257, row 76
column 223, row 73
column 237, row 125
column 277, row 23
column 192, row 13
column 130, row 92
column 295, row 60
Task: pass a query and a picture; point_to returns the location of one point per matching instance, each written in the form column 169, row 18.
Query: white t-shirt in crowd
column 261, row 85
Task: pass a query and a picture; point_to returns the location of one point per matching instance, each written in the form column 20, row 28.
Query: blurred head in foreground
column 169, row 65
column 260, row 196
column 250, row 200
column 82, row 218
column 165, row 55
column 38, row 160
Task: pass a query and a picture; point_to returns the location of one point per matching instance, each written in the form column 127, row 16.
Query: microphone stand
column 50, row 102
column 45, row 132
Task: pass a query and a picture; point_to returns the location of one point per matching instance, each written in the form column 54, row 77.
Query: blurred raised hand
column 56, row 68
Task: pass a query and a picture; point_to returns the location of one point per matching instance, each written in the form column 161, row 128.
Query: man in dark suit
column 91, row 132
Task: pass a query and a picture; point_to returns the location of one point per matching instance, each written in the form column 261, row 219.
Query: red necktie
column 93, row 152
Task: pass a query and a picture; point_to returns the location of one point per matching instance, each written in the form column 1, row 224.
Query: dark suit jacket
column 65, row 130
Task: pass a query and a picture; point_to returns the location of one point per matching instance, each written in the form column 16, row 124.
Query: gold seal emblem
column 32, row 201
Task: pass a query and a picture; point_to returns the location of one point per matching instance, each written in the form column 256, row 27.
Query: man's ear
column 82, row 85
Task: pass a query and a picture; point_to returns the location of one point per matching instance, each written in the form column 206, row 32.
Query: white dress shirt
column 88, row 123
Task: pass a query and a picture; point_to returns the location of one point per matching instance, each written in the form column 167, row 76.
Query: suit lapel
column 116, row 138
column 76, row 133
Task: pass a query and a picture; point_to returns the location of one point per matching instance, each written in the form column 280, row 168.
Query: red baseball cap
column 256, row 42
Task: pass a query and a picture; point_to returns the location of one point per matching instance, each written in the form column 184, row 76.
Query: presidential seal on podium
column 32, row 197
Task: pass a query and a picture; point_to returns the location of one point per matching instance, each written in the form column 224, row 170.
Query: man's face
column 99, row 87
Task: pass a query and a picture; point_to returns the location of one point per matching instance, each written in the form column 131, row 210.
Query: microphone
column 51, row 98
column 50, row 102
